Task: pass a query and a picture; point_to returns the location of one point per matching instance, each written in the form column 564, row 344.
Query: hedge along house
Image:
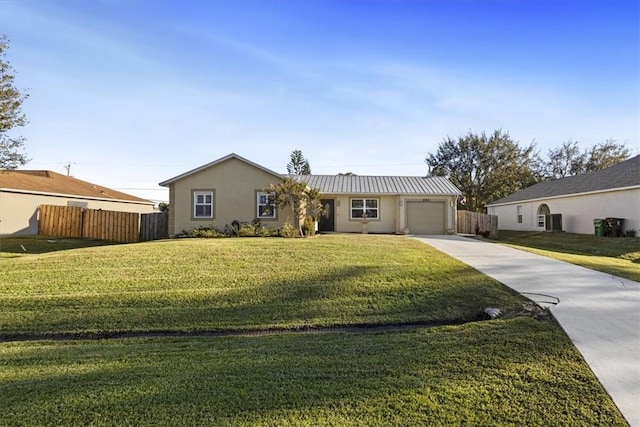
column 571, row 204
column 23, row 191
column 232, row 189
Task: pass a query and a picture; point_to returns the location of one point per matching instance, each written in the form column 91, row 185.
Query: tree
column 485, row 168
column 298, row 164
column 303, row 200
column 606, row 154
column 567, row 159
column 11, row 99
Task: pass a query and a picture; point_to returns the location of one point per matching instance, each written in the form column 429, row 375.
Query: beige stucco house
column 232, row 189
column 22, row 191
column 571, row 204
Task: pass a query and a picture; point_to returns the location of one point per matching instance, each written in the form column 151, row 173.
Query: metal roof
column 48, row 182
column 623, row 175
column 357, row 184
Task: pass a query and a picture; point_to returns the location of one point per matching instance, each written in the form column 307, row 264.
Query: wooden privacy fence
column 124, row 227
column 154, row 226
column 477, row 223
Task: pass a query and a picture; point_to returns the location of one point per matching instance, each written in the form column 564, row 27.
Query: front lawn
column 619, row 256
column 236, row 284
column 496, row 373
column 509, row 371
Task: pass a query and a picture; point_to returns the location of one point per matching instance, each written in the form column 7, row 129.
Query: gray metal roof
column 357, row 184
column 623, row 175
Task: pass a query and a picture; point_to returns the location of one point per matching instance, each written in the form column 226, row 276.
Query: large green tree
column 298, row 165
column 11, row 147
column 606, row 154
column 485, row 167
column 568, row 160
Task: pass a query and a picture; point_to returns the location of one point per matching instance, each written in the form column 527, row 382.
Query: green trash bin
column 598, row 225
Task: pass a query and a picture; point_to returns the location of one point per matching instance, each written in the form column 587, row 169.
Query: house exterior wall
column 234, row 184
column 19, row 211
column 578, row 211
column 392, row 212
column 386, row 222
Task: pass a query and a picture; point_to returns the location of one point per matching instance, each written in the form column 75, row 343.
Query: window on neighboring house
column 543, row 211
column 360, row 207
column 519, row 214
column 266, row 205
column 203, row 204
column 77, row 204
column 541, row 221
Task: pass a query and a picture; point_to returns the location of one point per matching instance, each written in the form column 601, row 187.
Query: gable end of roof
column 170, row 181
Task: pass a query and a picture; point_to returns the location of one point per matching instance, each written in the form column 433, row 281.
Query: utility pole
column 68, row 168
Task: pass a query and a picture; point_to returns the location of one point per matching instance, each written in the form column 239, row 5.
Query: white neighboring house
column 22, row 191
column 613, row 192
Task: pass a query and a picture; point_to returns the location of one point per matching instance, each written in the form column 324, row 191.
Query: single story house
column 571, row 204
column 22, row 191
column 232, row 188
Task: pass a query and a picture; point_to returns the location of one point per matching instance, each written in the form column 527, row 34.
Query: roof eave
column 585, row 193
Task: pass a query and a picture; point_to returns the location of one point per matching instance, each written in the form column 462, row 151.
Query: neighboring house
column 232, row 189
column 613, row 192
column 22, row 191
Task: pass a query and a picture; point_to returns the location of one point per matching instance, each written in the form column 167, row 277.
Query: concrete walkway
column 600, row 313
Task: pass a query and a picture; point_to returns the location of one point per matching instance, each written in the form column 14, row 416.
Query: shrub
column 289, row 230
column 309, row 226
column 201, row 232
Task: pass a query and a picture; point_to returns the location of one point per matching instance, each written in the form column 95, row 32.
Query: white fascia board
column 562, row 196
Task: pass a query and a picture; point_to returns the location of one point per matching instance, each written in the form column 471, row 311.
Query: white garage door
column 426, row 217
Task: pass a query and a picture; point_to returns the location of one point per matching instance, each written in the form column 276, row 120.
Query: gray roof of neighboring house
column 356, row 184
column 624, row 174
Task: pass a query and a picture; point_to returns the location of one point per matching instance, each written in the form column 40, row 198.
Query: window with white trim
column 203, row 204
column 266, row 204
column 543, row 211
column 360, row 207
column 542, row 221
column 519, row 208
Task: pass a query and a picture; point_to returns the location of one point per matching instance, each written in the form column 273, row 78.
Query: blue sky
column 131, row 93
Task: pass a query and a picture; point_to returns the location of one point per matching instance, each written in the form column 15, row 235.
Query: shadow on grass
column 339, row 297
column 13, row 246
column 627, row 248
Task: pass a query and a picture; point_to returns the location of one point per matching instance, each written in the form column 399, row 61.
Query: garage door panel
column 426, row 217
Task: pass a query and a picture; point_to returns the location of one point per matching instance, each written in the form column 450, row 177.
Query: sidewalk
column 600, row 313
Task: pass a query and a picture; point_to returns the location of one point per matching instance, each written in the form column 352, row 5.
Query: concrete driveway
column 600, row 313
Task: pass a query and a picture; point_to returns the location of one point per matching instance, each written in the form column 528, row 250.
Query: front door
column 326, row 222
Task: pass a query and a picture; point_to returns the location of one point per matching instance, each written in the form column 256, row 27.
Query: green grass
column 501, row 373
column 223, row 284
column 512, row 371
column 619, row 256
column 12, row 247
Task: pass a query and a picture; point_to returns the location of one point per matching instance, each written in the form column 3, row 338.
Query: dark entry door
column 326, row 222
